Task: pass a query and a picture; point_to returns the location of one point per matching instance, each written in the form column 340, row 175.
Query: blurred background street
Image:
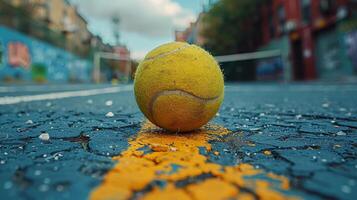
column 68, row 117
column 59, row 41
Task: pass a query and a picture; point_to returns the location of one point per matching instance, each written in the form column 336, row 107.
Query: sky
column 144, row 24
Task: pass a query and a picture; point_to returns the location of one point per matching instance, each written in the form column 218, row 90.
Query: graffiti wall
column 336, row 53
column 351, row 46
column 24, row 58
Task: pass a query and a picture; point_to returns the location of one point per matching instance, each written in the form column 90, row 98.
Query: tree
column 232, row 26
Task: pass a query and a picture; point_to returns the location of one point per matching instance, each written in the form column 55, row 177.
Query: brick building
column 318, row 39
column 63, row 21
column 192, row 34
column 312, row 30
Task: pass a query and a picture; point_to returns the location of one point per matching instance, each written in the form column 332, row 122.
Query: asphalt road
column 267, row 141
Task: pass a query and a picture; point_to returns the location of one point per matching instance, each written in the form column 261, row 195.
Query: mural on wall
column 27, row 59
column 39, row 72
column 18, row 55
column 351, row 43
column 336, row 54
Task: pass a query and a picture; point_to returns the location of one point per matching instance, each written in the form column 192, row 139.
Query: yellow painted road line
column 136, row 169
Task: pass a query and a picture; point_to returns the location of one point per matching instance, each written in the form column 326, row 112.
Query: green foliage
column 230, row 26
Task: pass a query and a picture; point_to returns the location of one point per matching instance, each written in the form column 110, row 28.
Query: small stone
column 38, row 172
column 341, row 133
column 267, row 152
column 346, row 189
column 109, row 114
column 44, row 136
column 109, row 103
column 8, row 185
column 216, row 153
column 29, row 121
column 60, row 188
column 255, row 129
column 43, row 188
column 325, row 105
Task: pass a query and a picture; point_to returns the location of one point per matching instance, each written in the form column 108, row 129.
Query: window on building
column 306, row 11
column 327, row 7
column 271, row 27
column 281, row 17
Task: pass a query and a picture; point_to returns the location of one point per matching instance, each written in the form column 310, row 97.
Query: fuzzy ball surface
column 179, row 87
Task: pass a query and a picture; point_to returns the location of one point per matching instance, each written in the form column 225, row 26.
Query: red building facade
column 301, row 20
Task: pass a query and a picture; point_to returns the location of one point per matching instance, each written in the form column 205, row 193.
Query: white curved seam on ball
column 167, row 53
column 178, row 92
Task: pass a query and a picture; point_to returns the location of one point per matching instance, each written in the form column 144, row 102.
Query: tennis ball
column 179, row 87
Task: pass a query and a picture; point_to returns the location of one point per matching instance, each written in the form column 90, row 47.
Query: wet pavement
column 291, row 141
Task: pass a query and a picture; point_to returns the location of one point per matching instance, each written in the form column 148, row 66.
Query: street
column 282, row 141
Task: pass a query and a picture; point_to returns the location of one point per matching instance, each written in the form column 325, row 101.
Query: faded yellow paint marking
column 136, row 169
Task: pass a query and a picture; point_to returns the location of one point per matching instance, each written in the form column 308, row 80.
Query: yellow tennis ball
column 179, row 87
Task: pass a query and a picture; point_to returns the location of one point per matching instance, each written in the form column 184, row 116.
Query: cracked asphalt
column 306, row 133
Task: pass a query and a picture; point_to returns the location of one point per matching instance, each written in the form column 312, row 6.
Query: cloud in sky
column 148, row 18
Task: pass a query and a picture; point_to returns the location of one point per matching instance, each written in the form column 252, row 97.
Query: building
column 317, row 38
column 57, row 19
column 192, row 34
column 318, row 34
column 123, row 68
